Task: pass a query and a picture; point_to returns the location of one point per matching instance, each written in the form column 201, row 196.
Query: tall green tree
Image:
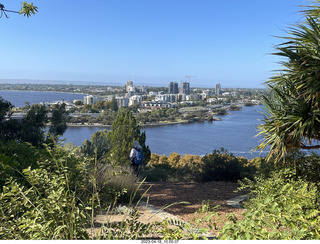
column 121, row 137
column 292, row 111
column 59, row 119
column 114, row 104
column 33, row 125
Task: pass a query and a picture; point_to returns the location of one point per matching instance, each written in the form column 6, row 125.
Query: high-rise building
column 185, row 88
column 173, row 88
column 218, row 89
column 129, row 86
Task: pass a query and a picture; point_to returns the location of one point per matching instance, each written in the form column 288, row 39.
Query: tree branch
column 310, row 147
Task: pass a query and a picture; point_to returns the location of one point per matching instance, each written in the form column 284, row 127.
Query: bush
column 47, row 210
column 173, row 168
column 308, row 166
column 218, row 166
column 14, row 157
column 221, row 166
column 58, row 196
column 282, row 207
column 116, row 183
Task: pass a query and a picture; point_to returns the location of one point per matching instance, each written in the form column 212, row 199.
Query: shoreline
column 47, row 91
column 143, row 125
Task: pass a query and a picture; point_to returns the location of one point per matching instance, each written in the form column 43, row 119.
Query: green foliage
column 158, row 169
column 33, row 125
column 308, row 166
column 5, row 107
column 27, row 9
column 97, row 147
column 31, row 128
column 49, row 193
column 14, row 157
column 114, row 104
column 115, row 182
column 283, row 207
column 59, row 119
column 292, row 118
column 130, row 229
column 121, row 137
column 217, row 166
column 48, row 209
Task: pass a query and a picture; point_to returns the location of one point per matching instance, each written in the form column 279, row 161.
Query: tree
column 78, row 103
column 33, row 125
column 5, row 107
column 27, row 9
column 59, row 119
column 121, row 137
column 292, row 117
column 114, row 104
column 98, row 146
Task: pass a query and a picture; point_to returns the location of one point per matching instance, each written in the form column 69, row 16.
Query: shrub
column 218, row 166
column 56, row 199
column 221, row 166
column 116, row 182
column 173, row 168
column 47, row 210
column 283, row 206
column 308, row 166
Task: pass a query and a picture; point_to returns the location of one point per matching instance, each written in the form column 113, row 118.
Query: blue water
column 235, row 132
column 18, row 98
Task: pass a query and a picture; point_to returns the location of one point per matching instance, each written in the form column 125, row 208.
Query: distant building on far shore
column 92, row 99
column 185, row 88
column 129, row 86
column 173, row 88
column 218, row 89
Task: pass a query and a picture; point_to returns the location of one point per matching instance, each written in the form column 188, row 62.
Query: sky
column 150, row 42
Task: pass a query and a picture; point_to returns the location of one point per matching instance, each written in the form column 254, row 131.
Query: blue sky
column 151, row 42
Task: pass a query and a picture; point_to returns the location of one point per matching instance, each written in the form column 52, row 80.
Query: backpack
column 138, row 158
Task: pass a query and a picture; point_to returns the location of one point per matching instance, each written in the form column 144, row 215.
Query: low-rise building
column 156, row 104
column 193, row 97
column 153, row 93
column 122, row 102
column 92, row 99
column 133, row 100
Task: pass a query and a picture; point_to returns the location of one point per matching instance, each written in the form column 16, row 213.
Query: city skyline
column 151, row 43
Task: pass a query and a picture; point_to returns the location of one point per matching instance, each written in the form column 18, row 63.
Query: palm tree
column 292, row 111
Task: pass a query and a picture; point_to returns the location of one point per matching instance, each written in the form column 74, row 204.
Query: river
column 18, row 98
column 235, row 132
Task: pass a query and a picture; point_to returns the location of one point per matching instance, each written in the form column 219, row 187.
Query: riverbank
column 162, row 123
column 235, row 133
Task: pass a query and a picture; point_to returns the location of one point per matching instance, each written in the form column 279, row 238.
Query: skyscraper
column 218, row 88
column 173, row 88
column 129, row 85
column 185, row 88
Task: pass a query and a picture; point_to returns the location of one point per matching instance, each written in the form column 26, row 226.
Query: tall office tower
column 218, row 88
column 129, row 85
column 173, row 88
column 185, row 88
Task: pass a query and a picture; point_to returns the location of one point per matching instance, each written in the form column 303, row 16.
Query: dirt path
column 218, row 193
column 162, row 194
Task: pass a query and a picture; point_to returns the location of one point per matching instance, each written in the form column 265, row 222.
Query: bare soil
column 162, row 194
column 182, row 200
